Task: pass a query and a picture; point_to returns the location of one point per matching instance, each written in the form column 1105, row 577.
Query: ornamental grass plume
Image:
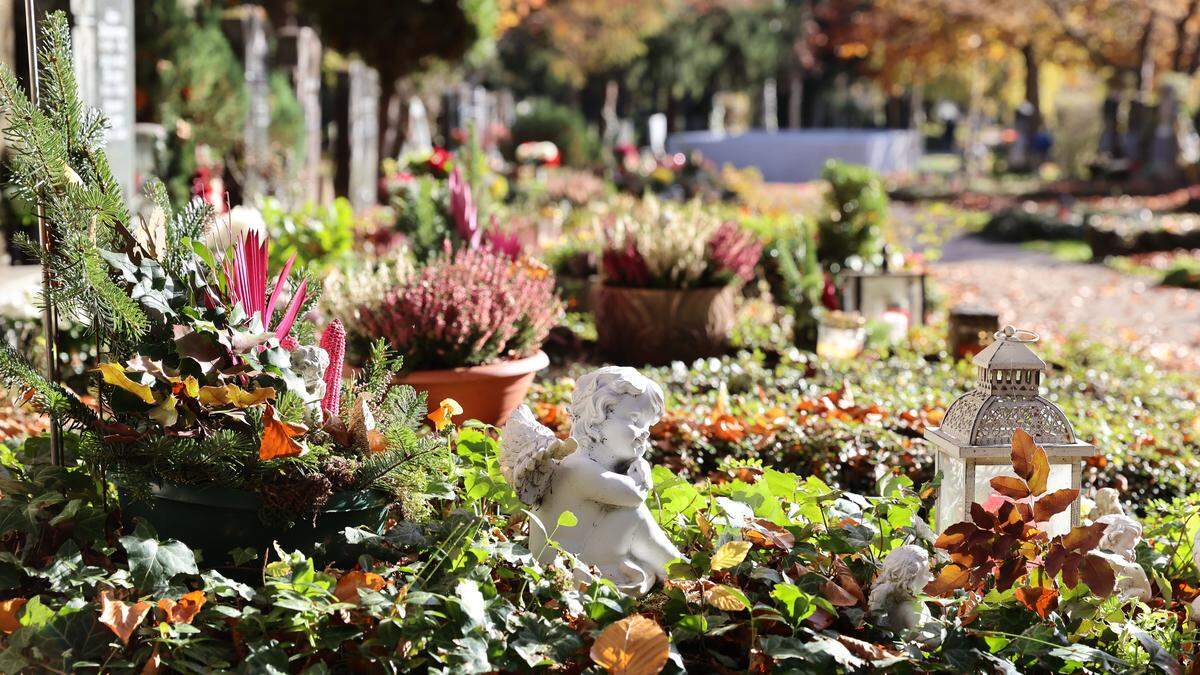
column 333, row 341
column 466, row 308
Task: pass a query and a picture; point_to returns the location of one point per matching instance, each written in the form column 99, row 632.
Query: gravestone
column 299, row 52
column 363, row 134
column 247, row 29
column 770, row 105
column 418, row 138
column 657, row 127
column 102, row 41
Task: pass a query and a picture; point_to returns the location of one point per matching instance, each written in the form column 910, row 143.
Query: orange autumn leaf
column 951, row 578
column 8, row 614
column 1053, row 503
column 277, row 437
column 122, row 619
column 1010, row 486
column 347, row 586
column 634, row 645
column 1022, row 453
column 152, row 664
column 185, row 609
column 1040, row 599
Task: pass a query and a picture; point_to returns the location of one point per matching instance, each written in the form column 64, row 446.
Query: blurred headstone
column 102, row 41
column 299, row 53
column 247, row 28
column 418, row 137
column 657, row 127
column 770, row 104
column 716, row 118
column 971, row 329
column 363, row 134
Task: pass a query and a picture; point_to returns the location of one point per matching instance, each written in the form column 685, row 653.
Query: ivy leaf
column 634, row 645
column 1010, row 486
column 1040, row 599
column 152, row 564
column 1053, row 503
column 730, row 555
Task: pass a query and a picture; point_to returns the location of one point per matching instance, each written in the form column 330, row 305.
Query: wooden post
column 45, row 238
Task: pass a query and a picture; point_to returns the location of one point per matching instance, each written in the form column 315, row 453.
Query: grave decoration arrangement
column 669, row 276
column 209, row 377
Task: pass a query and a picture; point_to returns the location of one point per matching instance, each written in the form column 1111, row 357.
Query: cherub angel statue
column 600, row 474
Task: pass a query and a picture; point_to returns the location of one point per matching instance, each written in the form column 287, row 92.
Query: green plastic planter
column 217, row 520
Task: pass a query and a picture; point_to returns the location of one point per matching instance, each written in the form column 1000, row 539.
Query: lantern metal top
column 1011, row 351
column 981, row 422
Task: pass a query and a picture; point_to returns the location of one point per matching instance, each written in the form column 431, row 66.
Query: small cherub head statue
column 612, row 412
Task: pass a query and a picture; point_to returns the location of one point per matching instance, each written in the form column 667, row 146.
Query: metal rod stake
column 46, row 239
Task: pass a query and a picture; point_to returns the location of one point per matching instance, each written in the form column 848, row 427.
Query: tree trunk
column 1033, row 90
column 612, row 123
column 1145, row 72
column 1181, row 42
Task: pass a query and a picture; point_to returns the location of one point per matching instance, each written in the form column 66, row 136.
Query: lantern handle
column 1012, row 334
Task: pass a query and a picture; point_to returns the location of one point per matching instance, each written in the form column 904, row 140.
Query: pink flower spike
column 333, row 341
column 287, row 267
column 289, row 317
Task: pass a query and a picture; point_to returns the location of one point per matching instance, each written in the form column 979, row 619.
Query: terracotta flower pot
column 486, row 393
column 637, row 326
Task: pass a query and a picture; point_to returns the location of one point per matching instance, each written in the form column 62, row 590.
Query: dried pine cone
column 340, row 472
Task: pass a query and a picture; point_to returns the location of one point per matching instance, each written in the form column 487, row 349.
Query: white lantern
column 974, row 442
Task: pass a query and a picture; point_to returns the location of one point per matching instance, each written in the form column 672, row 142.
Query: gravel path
column 1034, row 290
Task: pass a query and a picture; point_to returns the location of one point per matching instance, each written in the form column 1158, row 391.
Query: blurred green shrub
column 320, row 236
column 566, row 127
column 854, row 216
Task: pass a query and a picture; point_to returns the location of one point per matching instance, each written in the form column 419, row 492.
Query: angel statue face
column 612, row 412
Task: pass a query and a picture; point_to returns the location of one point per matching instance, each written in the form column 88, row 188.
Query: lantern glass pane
column 1060, row 479
column 951, row 495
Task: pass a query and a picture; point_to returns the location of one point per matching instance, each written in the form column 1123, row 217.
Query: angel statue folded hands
column 600, row 474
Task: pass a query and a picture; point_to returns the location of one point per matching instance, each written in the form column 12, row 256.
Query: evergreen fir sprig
column 58, row 163
column 18, row 374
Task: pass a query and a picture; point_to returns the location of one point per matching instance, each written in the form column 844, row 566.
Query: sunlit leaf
column 1023, row 451
column 114, row 374
column 183, row 610
column 634, row 645
column 951, row 578
column 278, row 437
column 730, row 554
column 1053, row 503
column 1010, row 486
column 349, row 583
column 8, row 614
column 726, row 598
column 1084, row 537
column 231, row 394
column 122, row 619
column 1039, row 599
column 1098, row 575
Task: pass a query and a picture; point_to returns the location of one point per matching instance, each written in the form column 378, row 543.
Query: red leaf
column 1011, row 570
column 838, row 596
column 1053, row 503
column 1010, row 486
column 767, row 534
column 1022, row 453
column 955, row 535
column 1098, row 575
column 1084, row 538
column 951, row 578
column 981, row 516
column 1040, row 599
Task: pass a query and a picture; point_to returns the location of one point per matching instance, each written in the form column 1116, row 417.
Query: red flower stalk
column 333, row 341
column 462, row 209
column 734, row 250
column 246, row 278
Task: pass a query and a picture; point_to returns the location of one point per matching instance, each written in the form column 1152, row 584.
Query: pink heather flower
column 505, row 243
column 466, row 308
column 333, row 341
column 734, row 250
column 463, row 211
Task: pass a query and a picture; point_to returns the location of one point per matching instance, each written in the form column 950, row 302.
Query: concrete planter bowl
column 639, row 326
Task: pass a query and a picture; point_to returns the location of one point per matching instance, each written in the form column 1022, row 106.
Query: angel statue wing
column 528, row 453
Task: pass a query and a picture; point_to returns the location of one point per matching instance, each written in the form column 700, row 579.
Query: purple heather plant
column 734, row 251
column 696, row 255
column 466, row 308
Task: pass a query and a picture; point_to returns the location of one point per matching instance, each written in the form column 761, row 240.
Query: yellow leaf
column 122, row 619
column 277, row 437
column 724, row 597
column 730, row 555
column 634, row 645
column 444, row 415
column 114, row 374
column 8, row 614
column 348, row 585
column 231, row 394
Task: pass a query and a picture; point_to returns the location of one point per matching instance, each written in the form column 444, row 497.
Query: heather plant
column 466, row 308
column 665, row 245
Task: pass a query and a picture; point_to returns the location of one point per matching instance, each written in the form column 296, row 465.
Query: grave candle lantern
column 973, row 444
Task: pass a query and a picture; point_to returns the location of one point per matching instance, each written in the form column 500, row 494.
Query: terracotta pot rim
column 510, row 368
column 638, row 289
